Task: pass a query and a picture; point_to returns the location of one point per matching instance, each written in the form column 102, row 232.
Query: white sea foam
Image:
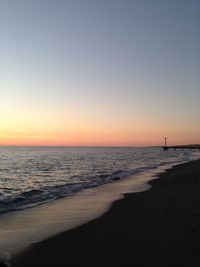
column 30, row 176
column 19, row 229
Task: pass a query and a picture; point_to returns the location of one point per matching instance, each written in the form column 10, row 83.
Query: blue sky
column 117, row 68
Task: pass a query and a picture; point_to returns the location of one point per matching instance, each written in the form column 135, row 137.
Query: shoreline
column 158, row 227
column 20, row 229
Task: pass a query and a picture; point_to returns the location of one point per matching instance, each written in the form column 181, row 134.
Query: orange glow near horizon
column 93, row 138
column 102, row 81
column 28, row 127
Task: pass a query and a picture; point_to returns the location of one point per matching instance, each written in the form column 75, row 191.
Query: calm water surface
column 33, row 175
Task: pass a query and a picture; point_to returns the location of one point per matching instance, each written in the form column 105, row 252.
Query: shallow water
column 30, row 176
column 19, row 229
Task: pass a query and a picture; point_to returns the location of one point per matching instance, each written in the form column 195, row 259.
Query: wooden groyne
column 182, row 147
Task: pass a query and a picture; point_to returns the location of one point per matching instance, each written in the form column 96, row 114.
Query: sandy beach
column 158, row 227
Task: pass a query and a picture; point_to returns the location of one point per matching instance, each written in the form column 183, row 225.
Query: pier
column 182, row 147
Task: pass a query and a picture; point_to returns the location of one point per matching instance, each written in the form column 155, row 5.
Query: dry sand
column 159, row 227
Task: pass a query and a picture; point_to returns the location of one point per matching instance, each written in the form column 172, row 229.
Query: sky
column 99, row 73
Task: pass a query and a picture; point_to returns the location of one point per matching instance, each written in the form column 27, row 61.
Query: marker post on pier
column 165, row 148
column 165, row 141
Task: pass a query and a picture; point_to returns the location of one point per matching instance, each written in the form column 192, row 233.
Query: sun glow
column 99, row 81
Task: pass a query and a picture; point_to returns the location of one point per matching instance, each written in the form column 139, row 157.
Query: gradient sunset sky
column 106, row 72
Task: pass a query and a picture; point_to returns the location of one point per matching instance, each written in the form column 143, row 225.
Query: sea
column 31, row 176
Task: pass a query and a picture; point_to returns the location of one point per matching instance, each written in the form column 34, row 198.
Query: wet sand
column 159, row 227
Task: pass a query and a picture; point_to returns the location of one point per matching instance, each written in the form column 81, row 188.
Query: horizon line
column 111, row 146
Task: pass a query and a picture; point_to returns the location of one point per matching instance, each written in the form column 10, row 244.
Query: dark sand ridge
column 159, row 227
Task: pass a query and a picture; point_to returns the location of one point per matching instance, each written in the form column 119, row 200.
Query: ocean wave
column 41, row 186
column 35, row 197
